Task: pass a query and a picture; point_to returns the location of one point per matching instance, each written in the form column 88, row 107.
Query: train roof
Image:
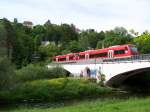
column 105, row 49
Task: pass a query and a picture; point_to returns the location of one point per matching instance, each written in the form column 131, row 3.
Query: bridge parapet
column 134, row 58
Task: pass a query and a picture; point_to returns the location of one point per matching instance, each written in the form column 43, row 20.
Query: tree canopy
column 21, row 44
column 143, row 43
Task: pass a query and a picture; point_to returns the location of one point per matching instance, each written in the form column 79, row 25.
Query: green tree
column 89, row 39
column 84, row 40
column 143, row 43
column 132, row 31
column 52, row 33
column 7, row 74
column 48, row 51
column 9, row 35
column 93, row 39
column 23, row 47
column 68, row 34
column 2, row 40
column 74, row 46
column 117, row 36
column 100, row 43
column 38, row 33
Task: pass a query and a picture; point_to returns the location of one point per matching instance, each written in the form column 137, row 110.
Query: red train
column 118, row 51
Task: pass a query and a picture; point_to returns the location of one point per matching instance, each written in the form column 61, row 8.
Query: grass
column 98, row 105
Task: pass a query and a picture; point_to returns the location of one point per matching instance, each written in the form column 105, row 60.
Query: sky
column 84, row 14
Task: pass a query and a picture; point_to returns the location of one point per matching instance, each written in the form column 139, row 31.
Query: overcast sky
column 85, row 14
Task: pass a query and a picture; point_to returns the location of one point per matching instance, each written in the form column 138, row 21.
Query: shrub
column 7, row 74
column 35, row 72
column 56, row 90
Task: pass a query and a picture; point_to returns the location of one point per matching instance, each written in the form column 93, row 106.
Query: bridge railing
column 144, row 57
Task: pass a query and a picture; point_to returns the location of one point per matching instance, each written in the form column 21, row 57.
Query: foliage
column 48, row 51
column 52, row 33
column 100, row 43
column 117, row 36
column 74, row 46
column 88, row 39
column 143, row 43
column 23, row 46
column 2, row 40
column 7, row 74
column 35, row 72
column 68, row 33
column 56, row 90
column 98, row 105
column 64, row 38
column 8, row 35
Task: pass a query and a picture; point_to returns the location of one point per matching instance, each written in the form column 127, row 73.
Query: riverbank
column 125, row 103
column 113, row 104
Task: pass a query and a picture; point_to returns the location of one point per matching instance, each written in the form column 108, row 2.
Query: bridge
column 115, row 70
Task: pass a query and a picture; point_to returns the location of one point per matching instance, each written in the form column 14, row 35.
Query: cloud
column 96, row 14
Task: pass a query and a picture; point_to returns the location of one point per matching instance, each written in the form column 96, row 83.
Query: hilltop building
column 28, row 24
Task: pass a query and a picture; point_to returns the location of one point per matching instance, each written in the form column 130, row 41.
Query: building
column 28, row 24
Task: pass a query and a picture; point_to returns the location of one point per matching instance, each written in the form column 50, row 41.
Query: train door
column 110, row 54
column 86, row 56
column 56, row 59
column 67, row 58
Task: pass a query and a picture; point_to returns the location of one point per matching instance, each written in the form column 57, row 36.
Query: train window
column 71, row 58
column 82, row 56
column 62, row 59
column 92, row 55
column 98, row 55
column 134, row 49
column 116, row 52
column 101, row 54
column 87, row 56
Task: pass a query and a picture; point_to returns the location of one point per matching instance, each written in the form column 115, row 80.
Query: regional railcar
column 118, row 51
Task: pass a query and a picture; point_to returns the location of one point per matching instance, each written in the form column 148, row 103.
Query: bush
column 7, row 74
column 35, row 72
column 56, row 90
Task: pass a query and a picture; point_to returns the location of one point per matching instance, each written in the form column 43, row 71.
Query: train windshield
column 134, row 49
